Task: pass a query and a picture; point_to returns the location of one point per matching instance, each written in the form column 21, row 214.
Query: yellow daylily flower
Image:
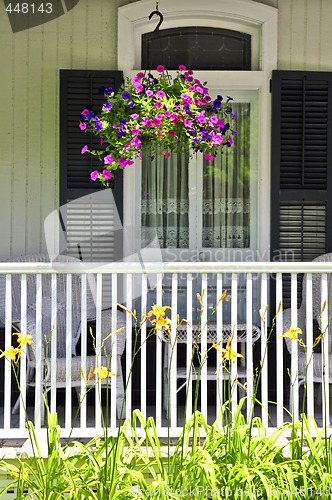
column 158, row 310
column 24, row 339
column 12, row 353
column 228, row 354
column 103, row 372
column 292, row 333
column 161, row 320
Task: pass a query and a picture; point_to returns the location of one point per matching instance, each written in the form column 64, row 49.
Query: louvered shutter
column 301, row 176
column 89, row 221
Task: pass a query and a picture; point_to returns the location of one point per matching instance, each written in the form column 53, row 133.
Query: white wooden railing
column 259, row 287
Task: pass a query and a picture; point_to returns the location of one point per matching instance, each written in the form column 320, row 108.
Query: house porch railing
column 161, row 381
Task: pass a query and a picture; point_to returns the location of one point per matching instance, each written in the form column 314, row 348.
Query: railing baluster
column 85, row 368
column 99, row 353
column 144, row 291
column 264, row 351
column 280, row 353
column 129, row 345
column 53, row 343
column 204, row 353
column 294, row 404
column 325, row 352
column 69, row 336
column 219, row 369
column 8, row 343
column 159, row 360
column 173, row 380
column 309, row 343
column 233, row 365
column 249, row 363
column 23, row 360
column 114, row 353
column 39, row 403
column 189, row 344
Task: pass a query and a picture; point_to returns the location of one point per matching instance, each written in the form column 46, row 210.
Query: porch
column 163, row 360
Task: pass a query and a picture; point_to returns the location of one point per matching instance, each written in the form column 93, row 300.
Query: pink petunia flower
column 136, row 142
column 83, row 126
column 160, row 68
column 149, row 92
column 134, row 116
column 84, row 149
column 94, row 175
column 172, row 133
column 208, row 157
column 166, row 153
column 102, row 141
column 135, row 131
column 160, row 94
column 139, row 87
column 182, row 67
column 107, row 174
column 85, row 112
column 158, row 104
column 108, row 160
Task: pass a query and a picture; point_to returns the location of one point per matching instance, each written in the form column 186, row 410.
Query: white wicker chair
column 76, row 362
column 316, row 359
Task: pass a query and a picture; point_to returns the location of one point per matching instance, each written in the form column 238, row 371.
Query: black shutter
column 301, row 175
column 88, row 224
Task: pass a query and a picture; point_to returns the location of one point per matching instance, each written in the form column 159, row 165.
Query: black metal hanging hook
column 157, row 13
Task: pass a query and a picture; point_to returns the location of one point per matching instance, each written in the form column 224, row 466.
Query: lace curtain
column 165, row 203
column 226, row 190
column 225, row 201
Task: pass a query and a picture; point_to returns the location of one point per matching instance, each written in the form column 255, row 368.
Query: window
column 194, row 214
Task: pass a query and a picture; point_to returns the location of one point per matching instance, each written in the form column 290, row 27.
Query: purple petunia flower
column 84, row 149
column 94, row 175
column 109, row 90
column 107, row 174
column 121, row 132
column 131, row 104
column 107, row 106
column 98, row 124
column 126, row 96
column 217, row 103
column 108, row 160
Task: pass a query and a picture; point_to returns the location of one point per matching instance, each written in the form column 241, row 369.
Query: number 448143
column 29, row 8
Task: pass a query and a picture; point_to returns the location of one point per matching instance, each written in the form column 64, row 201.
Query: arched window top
column 197, row 47
column 254, row 19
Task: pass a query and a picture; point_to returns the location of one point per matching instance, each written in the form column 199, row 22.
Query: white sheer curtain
column 226, row 190
column 224, row 203
column 165, row 203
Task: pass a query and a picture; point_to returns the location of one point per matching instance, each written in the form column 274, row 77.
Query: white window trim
column 261, row 21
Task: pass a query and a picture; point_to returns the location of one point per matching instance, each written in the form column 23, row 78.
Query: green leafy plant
column 231, row 458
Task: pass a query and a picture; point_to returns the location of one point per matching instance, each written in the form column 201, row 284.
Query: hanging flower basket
column 152, row 115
